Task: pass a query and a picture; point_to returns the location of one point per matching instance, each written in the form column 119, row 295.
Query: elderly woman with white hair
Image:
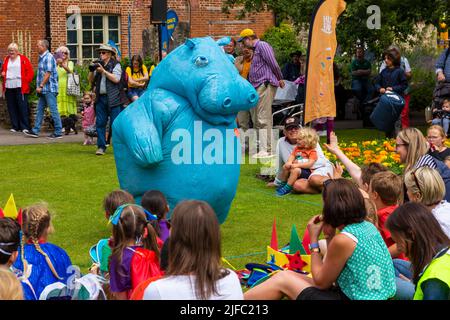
column 67, row 105
column 17, row 73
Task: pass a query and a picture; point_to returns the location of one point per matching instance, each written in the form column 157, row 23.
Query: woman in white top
column 17, row 74
column 425, row 185
column 194, row 270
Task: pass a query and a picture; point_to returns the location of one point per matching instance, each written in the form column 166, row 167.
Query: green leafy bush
column 423, row 82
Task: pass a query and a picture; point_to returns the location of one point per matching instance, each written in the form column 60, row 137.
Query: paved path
column 8, row 138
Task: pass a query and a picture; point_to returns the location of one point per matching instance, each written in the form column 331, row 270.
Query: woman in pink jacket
column 17, row 74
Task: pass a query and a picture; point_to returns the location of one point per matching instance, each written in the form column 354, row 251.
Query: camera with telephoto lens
column 95, row 64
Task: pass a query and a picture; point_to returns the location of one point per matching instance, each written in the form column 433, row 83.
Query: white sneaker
column 263, row 155
column 13, row 130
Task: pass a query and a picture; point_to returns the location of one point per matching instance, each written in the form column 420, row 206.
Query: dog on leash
column 69, row 123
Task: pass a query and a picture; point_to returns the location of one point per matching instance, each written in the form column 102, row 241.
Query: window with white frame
column 92, row 31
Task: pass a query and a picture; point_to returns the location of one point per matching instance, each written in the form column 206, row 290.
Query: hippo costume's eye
column 201, row 61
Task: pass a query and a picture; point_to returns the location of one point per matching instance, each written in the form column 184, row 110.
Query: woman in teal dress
column 67, row 105
column 357, row 265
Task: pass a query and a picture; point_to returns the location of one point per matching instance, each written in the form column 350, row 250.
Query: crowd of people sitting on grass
column 380, row 236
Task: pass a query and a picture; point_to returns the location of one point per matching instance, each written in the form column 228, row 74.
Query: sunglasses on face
column 103, row 52
column 65, row 53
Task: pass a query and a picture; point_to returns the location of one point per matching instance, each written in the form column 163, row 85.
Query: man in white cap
column 108, row 103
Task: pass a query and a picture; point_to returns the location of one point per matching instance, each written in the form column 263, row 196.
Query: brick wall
column 203, row 18
column 22, row 22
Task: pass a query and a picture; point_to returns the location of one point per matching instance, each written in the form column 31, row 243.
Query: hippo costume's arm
column 141, row 125
column 135, row 128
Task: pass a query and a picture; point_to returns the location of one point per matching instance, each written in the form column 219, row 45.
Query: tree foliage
column 399, row 18
column 284, row 41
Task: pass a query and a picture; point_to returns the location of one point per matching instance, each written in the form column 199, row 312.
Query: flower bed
column 365, row 152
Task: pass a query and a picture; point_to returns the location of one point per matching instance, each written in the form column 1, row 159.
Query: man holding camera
column 105, row 75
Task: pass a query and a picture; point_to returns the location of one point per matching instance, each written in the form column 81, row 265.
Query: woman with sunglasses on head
column 413, row 148
column 105, row 77
column 67, row 105
column 425, row 185
column 417, row 233
column 357, row 266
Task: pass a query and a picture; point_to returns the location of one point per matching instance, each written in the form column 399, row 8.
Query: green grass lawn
column 73, row 181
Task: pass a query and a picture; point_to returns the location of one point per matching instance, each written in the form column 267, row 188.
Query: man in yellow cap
column 265, row 76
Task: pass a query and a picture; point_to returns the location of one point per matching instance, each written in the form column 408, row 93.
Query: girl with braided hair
column 41, row 263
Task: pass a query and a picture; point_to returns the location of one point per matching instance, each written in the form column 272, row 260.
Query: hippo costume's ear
column 223, row 41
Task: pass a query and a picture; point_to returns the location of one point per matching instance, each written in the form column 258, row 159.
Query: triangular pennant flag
column 295, row 244
column 19, row 216
column 306, row 241
column 10, row 210
column 274, row 240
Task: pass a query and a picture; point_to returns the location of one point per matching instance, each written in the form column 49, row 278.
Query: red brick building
column 83, row 25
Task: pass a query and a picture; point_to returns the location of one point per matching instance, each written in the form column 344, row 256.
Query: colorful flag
column 10, row 209
column 274, row 240
column 320, row 101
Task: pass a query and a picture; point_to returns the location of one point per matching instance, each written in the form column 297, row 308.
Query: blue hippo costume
column 180, row 137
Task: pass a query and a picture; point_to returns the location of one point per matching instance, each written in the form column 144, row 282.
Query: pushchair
column 286, row 104
column 440, row 93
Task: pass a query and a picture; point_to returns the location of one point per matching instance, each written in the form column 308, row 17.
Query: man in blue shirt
column 47, row 89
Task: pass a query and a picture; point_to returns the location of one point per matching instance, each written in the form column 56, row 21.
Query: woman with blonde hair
column 425, row 185
column 10, row 287
column 17, row 73
column 67, row 105
column 41, row 263
column 412, row 148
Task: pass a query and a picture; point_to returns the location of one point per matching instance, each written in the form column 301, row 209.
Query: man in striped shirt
column 265, row 76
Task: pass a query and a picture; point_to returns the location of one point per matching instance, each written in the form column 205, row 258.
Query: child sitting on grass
column 135, row 252
column 41, row 263
column 385, row 190
column 155, row 202
column 111, row 202
column 10, row 287
column 300, row 162
column 194, row 271
column 9, row 242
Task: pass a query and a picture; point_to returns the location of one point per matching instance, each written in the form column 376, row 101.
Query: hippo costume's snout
column 227, row 102
column 252, row 98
